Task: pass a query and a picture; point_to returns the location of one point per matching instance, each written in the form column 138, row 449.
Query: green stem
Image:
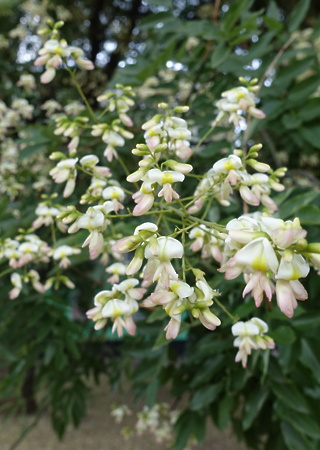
column 80, row 92
column 6, row 271
column 232, row 317
column 207, row 134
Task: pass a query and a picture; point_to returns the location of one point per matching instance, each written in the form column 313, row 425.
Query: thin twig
column 275, row 61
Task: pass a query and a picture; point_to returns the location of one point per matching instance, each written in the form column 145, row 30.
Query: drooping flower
column 250, row 336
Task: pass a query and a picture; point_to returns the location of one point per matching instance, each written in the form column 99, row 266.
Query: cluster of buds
column 271, row 253
column 27, row 81
column 62, row 254
column 24, row 249
column 157, row 250
column 56, row 52
column 50, row 107
column 71, row 128
column 250, row 336
column 119, row 411
column 95, row 220
column 118, row 304
column 229, row 174
column 31, row 277
column 113, row 135
column 120, row 101
column 178, row 297
column 237, row 102
column 206, row 240
column 12, row 117
column 161, row 140
column 47, row 212
column 158, row 420
column 9, row 163
column 170, row 131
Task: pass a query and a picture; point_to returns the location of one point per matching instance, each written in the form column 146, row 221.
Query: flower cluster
column 271, row 254
column 118, row 304
column 120, row 101
column 250, row 336
column 180, row 297
column 165, row 135
column 238, row 101
column 55, row 53
column 230, row 173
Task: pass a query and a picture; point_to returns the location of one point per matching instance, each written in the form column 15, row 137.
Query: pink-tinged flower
column 288, row 233
column 288, row 292
column 178, row 167
column 17, row 285
column 45, row 215
column 65, row 171
column 116, row 195
column 168, row 248
column 173, row 327
column 120, row 312
column 127, row 287
column 34, row 278
column 261, row 189
column 77, row 53
column 95, row 221
column 206, row 242
column 48, row 75
column 144, row 202
column 292, row 266
column 258, row 284
column 90, row 162
column 250, row 336
column 208, row 319
column 258, row 255
column 116, row 270
column 62, row 252
column 166, row 179
column 229, row 167
column 248, row 196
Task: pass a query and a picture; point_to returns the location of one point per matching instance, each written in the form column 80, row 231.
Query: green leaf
column 309, row 215
column 291, row 121
column 189, row 424
column 33, row 149
column 283, row 335
column 301, row 91
column 219, row 55
column 204, row 396
column 306, row 322
column 223, row 412
column 233, row 14
column 156, row 315
column 309, row 110
column 308, row 358
column 272, row 24
column 294, row 440
column 289, row 395
column 214, row 149
column 253, row 406
column 164, row 3
column 311, row 135
column 290, row 207
column 297, row 16
column 210, row 367
column 304, row 424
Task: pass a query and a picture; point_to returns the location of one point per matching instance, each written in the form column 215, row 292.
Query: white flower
column 250, row 336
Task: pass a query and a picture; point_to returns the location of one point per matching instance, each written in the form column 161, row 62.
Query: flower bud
column 127, row 244
column 258, row 166
column 56, row 156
